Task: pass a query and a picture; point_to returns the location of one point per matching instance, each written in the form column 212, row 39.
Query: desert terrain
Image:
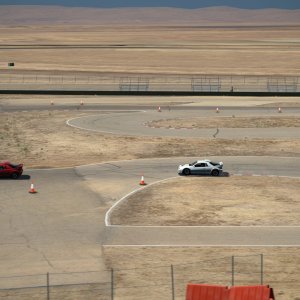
column 135, row 51
column 34, row 131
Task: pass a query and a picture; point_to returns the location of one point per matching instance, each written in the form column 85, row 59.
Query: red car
column 8, row 169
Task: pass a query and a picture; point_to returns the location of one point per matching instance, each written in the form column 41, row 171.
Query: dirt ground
column 205, row 201
column 156, row 50
column 150, row 266
column 228, row 122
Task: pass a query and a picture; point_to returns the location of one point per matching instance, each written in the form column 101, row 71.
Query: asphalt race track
column 64, row 224
column 133, row 123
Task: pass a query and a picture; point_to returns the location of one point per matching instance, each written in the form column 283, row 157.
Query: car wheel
column 14, row 176
column 186, row 171
column 215, row 173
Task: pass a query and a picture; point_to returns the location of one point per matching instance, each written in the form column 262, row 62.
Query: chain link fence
column 154, row 83
column 152, row 282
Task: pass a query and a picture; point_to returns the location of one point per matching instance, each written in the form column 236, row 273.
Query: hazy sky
column 287, row 4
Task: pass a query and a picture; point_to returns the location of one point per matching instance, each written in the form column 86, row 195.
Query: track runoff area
column 99, row 190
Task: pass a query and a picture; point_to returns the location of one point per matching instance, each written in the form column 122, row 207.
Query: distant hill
column 213, row 16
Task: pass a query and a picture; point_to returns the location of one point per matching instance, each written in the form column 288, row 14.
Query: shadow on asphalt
column 224, row 174
column 22, row 177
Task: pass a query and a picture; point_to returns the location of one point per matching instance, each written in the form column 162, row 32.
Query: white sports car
column 201, row 167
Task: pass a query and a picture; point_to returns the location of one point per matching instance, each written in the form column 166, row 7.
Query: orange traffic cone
column 142, row 182
column 81, row 102
column 32, row 189
column 279, row 110
column 159, row 109
column 52, row 103
column 217, row 110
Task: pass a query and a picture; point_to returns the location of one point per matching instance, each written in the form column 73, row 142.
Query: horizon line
column 151, row 7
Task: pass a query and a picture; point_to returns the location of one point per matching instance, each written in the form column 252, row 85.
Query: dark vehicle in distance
column 9, row 170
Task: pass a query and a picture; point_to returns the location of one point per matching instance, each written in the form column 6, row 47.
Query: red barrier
column 206, row 292
column 257, row 292
column 215, row 292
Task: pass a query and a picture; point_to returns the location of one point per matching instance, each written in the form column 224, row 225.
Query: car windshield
column 13, row 165
column 193, row 163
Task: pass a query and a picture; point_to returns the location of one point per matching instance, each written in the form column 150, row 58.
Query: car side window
column 1, row 168
column 201, row 165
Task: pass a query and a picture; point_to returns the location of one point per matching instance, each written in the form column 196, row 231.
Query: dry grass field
column 196, row 201
column 203, row 265
column 228, row 122
column 152, row 50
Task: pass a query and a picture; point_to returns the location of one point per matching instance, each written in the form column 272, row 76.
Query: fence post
column 232, row 271
column 48, row 286
column 261, row 269
column 173, row 282
column 112, row 284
